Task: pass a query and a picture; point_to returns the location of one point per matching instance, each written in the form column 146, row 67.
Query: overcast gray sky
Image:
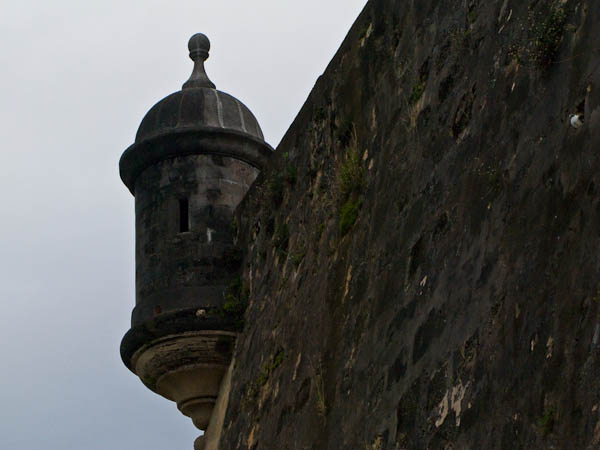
column 77, row 78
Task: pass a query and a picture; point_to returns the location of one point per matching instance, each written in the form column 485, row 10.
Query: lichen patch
column 443, row 409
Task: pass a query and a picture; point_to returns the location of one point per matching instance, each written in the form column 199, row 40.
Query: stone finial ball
column 199, row 46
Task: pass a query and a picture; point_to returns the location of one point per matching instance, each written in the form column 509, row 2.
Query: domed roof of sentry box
column 197, row 119
column 198, row 103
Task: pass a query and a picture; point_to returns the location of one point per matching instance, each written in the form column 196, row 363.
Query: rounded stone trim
column 188, row 369
column 206, row 349
column 172, row 324
column 192, row 141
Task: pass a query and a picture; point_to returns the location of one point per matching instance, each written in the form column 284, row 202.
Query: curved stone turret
column 195, row 156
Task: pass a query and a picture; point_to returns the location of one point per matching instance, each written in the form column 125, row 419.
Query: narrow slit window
column 184, row 215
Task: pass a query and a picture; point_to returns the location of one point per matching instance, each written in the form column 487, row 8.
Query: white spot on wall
column 219, row 108
column 596, row 335
column 363, row 40
column 534, row 342
column 348, row 279
column 233, row 182
column 373, row 118
column 209, row 234
column 298, row 360
column 575, row 120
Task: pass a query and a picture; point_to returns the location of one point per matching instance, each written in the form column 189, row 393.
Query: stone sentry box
column 184, row 211
column 195, row 155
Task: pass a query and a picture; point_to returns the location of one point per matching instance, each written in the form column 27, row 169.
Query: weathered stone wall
column 422, row 264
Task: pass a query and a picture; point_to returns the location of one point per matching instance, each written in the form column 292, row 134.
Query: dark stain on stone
column 415, row 257
column 427, row 332
column 398, row 369
column 302, row 395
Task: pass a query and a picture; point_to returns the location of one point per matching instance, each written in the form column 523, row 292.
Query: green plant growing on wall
column 546, row 422
column 317, row 388
column 320, row 114
column 417, row 91
column 596, row 298
column 460, row 40
column 491, row 176
column 236, row 301
column 262, row 378
column 344, row 132
column 418, row 87
column 254, row 386
column 350, row 186
column 291, row 174
column 277, row 360
column 269, row 367
column 351, row 175
column 234, row 227
column 298, row 257
column 472, row 16
column 546, row 31
column 320, row 230
column 275, row 189
column 281, row 237
column 349, row 215
column 321, row 403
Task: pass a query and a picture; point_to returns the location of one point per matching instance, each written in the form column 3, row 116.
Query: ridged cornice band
column 174, row 323
column 199, row 140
